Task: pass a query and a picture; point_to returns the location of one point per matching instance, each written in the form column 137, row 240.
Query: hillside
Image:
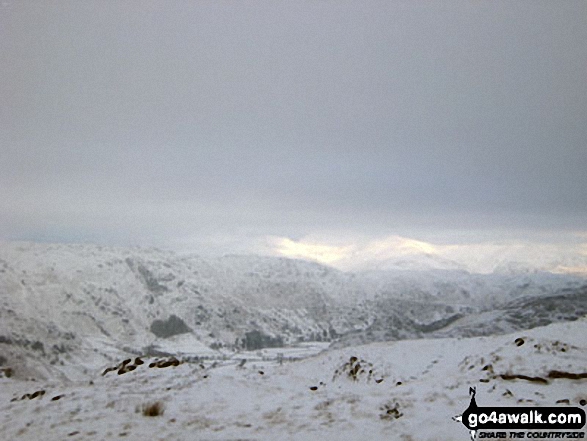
column 66, row 308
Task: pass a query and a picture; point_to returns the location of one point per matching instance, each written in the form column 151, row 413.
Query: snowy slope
column 524, row 312
column 425, row 383
column 56, row 297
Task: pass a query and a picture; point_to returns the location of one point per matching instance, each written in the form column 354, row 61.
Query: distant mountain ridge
column 65, row 306
column 485, row 254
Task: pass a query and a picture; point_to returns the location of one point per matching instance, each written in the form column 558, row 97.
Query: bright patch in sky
column 396, row 252
column 327, row 254
column 400, row 246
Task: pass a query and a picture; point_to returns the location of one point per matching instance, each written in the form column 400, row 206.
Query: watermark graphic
column 522, row 422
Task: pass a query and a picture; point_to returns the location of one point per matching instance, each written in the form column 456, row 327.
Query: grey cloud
column 288, row 117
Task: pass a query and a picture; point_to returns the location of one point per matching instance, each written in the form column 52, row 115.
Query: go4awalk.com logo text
column 522, row 422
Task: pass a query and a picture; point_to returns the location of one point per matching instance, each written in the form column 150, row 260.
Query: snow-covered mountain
column 67, row 308
column 484, row 253
column 104, row 343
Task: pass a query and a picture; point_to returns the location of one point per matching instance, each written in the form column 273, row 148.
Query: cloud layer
column 221, row 123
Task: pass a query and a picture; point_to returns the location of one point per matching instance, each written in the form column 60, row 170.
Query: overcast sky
column 221, row 122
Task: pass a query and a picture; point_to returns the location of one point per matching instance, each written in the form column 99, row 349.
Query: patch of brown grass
column 156, row 408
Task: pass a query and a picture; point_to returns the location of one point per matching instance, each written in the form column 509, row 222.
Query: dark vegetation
column 390, row 411
column 156, row 408
column 357, row 369
column 170, row 327
column 36, row 394
column 254, row 340
column 130, row 365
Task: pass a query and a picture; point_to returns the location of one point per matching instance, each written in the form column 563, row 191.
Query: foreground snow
column 425, row 383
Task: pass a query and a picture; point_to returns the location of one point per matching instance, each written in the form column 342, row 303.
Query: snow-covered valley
column 247, row 347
